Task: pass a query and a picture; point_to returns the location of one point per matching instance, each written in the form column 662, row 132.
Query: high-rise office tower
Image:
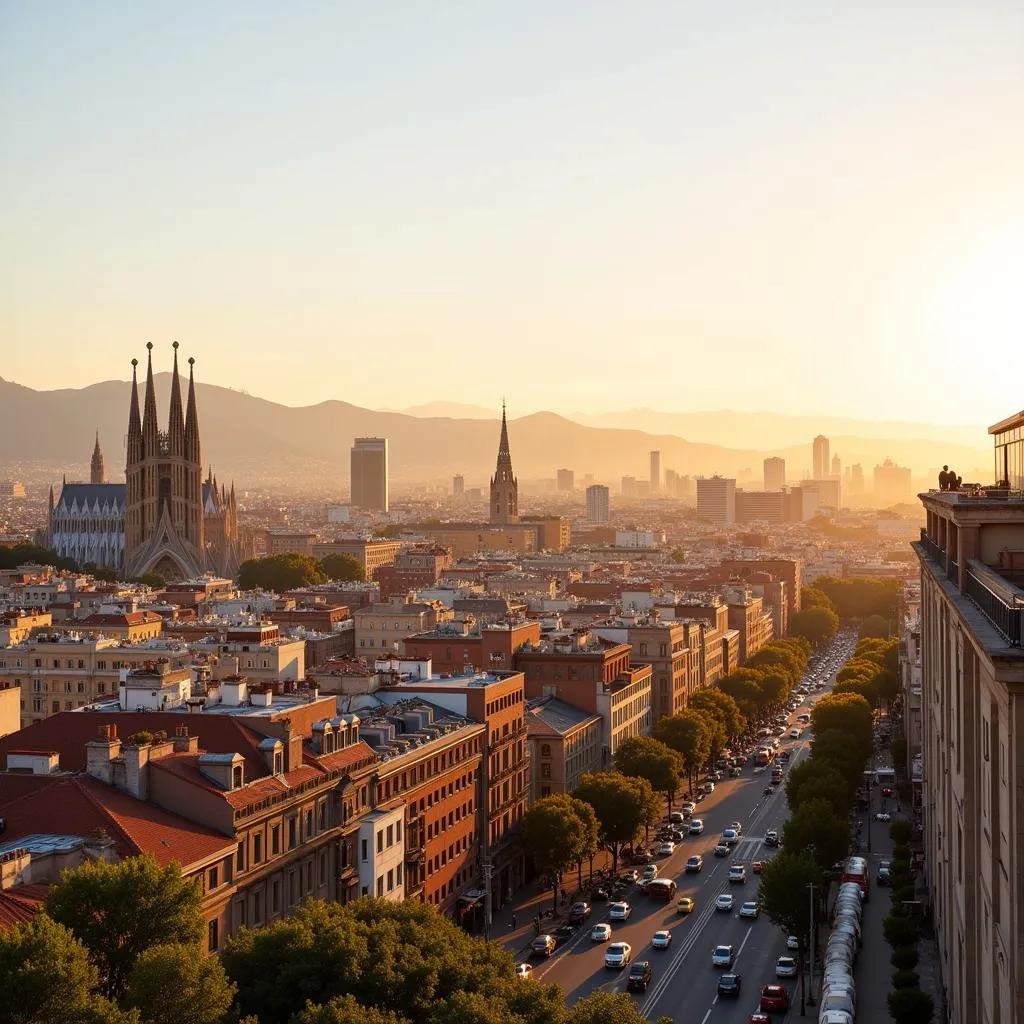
column 370, row 473
column 857, row 479
column 671, row 483
column 774, row 474
column 655, row 472
column 629, row 486
column 504, row 486
column 716, row 499
column 837, row 468
column 597, row 505
column 820, row 459
column 566, row 480
column 458, row 485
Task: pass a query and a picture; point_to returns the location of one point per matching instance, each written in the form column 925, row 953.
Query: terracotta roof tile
column 356, row 756
column 20, row 904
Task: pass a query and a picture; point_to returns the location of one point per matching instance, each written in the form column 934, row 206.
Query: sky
column 804, row 207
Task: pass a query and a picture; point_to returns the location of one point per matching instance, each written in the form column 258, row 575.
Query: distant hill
column 450, row 410
column 252, row 439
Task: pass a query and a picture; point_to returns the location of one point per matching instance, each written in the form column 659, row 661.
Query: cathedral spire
column 97, row 471
column 192, row 419
column 134, row 420
column 176, row 419
column 504, row 455
column 150, row 428
column 504, row 486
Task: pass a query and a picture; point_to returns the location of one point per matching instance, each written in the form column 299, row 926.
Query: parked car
column 580, row 911
column 774, row 999
column 666, row 849
column 600, row 895
column 544, row 945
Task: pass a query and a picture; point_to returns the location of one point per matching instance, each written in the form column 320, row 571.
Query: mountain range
column 255, row 440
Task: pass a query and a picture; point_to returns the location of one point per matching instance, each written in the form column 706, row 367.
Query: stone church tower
column 504, row 486
column 97, row 471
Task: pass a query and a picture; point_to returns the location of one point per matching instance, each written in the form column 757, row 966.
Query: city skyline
column 661, row 180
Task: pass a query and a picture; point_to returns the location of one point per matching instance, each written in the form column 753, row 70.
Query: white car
column 618, row 954
column 749, row 910
column 723, row 956
column 666, row 849
column 730, row 837
column 725, row 901
column 524, row 971
column 696, row 827
column 661, row 940
column 600, row 933
column 736, row 827
column 785, row 967
column 619, row 912
column 689, row 807
column 792, row 942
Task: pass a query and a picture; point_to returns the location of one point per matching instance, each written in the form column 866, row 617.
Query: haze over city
column 577, row 206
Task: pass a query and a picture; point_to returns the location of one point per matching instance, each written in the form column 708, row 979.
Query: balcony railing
column 999, row 602
column 515, row 734
column 933, row 551
column 513, row 798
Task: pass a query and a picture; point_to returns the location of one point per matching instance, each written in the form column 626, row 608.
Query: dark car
column 580, row 911
column 639, row 976
column 721, row 850
column 694, row 864
column 771, row 838
column 564, row 932
column 599, row 895
column 729, row 985
column 640, row 857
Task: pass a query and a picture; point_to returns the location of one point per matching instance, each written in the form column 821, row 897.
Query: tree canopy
column 856, row 598
column 118, row 911
column 623, row 805
column 815, row 827
column 874, row 626
column 721, row 706
column 812, row 597
column 652, row 760
column 817, row 779
column 279, row 573
column 175, row 984
column 816, row 625
column 342, row 567
column 850, row 714
column 558, row 832
column 689, row 734
column 22, row 554
column 784, row 895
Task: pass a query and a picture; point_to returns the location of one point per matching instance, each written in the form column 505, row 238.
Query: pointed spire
column 98, row 472
column 52, row 503
column 504, row 455
column 192, row 421
column 176, row 418
column 150, row 428
column 134, row 420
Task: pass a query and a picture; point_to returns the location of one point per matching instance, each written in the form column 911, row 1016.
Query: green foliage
column 722, row 707
column 783, row 893
column 900, row 930
column 346, row 1010
column 403, row 958
column 901, row 832
column 901, row 853
column 911, row 1006
column 904, row 958
column 850, row 714
column 606, row 1008
column 623, row 805
column 874, row 626
column 176, row 984
column 118, row 911
column 857, row 598
column 906, row 979
column 558, row 832
column 153, row 580
column 744, row 686
column 652, row 760
column 392, row 531
column 816, row 625
column 343, row 567
column 22, row 554
column 689, row 734
column 279, row 573
column 46, row 977
column 815, row 779
column 812, row 597
column 815, row 824
column 834, row 748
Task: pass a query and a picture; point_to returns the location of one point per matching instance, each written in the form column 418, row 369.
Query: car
column 882, row 875
column 784, row 755
column 600, row 933
column 721, row 850
column 694, row 864
column 639, row 976
column 771, row 838
column 723, row 956
column 676, row 817
column 737, row 827
column 792, row 942
column 524, row 970
column 750, row 910
column 696, row 827
column 666, row 849
column 883, row 816
column 543, row 945
column 600, row 895
column 736, row 771
column 707, row 788
column 688, row 808
column 715, row 776
column 685, row 905
column 619, row 911
column 725, row 901
column 629, row 877
column 738, row 873
column 640, row 856
column 759, row 1018
column 673, row 835
column 760, row 769
column 566, row 931
column 618, row 954
column 785, row 967
column 774, row 999
column 649, row 872
column 758, row 866
column 729, row 984
column 661, row 939
column 580, row 911
column 729, row 837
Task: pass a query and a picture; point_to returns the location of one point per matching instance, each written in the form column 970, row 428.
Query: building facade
column 716, row 500
column 565, row 745
column 598, row 505
column 819, row 457
column 369, row 473
column 774, row 474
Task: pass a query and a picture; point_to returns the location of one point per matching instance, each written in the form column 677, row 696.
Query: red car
column 774, row 999
column 886, row 791
column 759, row 1018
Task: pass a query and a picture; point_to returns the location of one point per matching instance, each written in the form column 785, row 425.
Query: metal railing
column 997, row 601
column 933, row 551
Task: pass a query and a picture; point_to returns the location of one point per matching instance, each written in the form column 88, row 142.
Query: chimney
column 136, row 768
column 292, row 748
column 183, row 743
column 101, row 752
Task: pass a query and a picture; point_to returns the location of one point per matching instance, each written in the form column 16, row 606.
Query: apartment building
column 133, row 626
column 454, row 645
column 413, row 569
column 370, row 552
column 565, row 744
column 257, row 650
column 972, row 704
column 16, row 626
column 381, row 628
column 747, row 615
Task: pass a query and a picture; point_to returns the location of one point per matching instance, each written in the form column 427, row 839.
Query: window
column 391, row 837
column 212, row 937
column 275, row 895
column 380, row 840
column 257, row 848
column 81, row 686
column 391, row 879
column 309, row 876
column 398, row 831
column 309, row 823
column 363, row 851
column 275, row 839
column 292, row 832
column 380, row 885
column 545, row 771
column 322, row 815
column 214, row 878
column 323, row 868
column 398, row 874
column 236, row 776
column 240, row 857
column 257, row 908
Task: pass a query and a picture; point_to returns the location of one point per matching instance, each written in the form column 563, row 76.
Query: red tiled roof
column 355, row 756
column 120, row 619
column 20, row 904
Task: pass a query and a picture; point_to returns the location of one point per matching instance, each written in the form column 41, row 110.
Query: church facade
column 165, row 518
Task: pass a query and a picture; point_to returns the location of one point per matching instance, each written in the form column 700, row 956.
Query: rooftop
column 558, row 715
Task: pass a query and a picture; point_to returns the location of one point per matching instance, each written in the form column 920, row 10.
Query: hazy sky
column 798, row 206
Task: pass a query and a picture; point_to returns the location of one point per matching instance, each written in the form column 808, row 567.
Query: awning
column 473, row 897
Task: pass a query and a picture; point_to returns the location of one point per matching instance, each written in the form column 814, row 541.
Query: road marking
column 708, row 1014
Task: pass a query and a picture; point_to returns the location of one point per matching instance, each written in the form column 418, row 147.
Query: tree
column 688, row 734
column 816, row 625
column 744, row 686
column 850, row 714
column 911, row 1006
column 775, row 687
column 22, row 554
column 717, row 703
column 815, row 825
column 117, row 911
column 555, row 835
column 346, row 1010
column 904, row 958
column 623, row 806
column 900, row 930
column 46, row 976
column 874, row 626
column 279, row 573
column 812, row 597
column 901, row 832
column 606, row 1008
column 859, row 685
column 652, row 760
column 153, row 580
column 784, row 895
column 834, row 747
column 175, row 984
column 818, row 780
column 343, row 567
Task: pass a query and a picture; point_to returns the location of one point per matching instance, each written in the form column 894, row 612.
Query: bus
column 662, row 889
column 856, row 870
column 885, row 776
column 765, row 756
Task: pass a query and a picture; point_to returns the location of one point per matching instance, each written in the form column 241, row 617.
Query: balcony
column 414, row 855
column 998, row 600
column 509, row 737
column 513, row 798
column 506, row 773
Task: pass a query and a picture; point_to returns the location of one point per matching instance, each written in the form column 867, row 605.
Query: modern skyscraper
column 856, row 479
column 671, row 483
column 566, row 480
column 369, row 467
column 892, row 483
column 629, row 486
column 655, row 472
column 504, row 486
column 458, row 485
column 837, row 468
column 97, row 471
column 820, row 458
column 774, row 474
column 716, row 499
column 598, row 505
